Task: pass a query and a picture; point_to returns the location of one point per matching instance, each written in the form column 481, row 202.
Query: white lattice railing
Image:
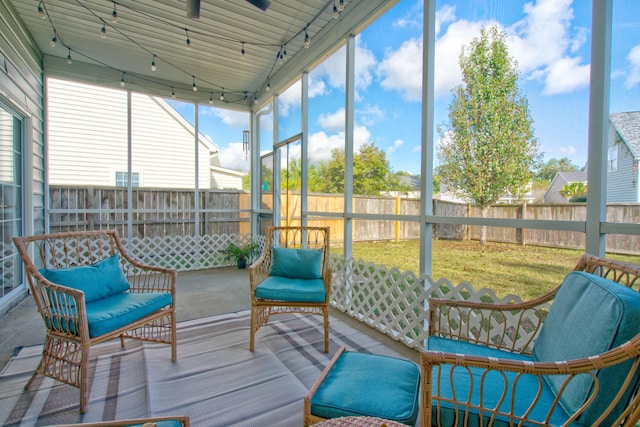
column 186, row 252
column 396, row 303
column 386, row 299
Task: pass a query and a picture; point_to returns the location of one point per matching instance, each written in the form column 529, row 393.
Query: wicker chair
column 292, row 275
column 497, row 365
column 72, row 277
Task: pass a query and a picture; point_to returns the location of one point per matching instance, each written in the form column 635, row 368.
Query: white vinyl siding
column 88, row 139
column 622, row 185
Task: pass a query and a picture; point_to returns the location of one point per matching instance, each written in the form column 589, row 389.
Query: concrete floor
column 200, row 294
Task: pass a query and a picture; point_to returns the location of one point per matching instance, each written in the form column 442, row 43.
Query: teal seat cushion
column 496, row 387
column 590, row 315
column 163, row 423
column 291, row 290
column 108, row 314
column 296, row 263
column 372, row 385
column 97, row 281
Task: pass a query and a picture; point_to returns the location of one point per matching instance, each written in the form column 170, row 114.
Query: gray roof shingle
column 627, row 125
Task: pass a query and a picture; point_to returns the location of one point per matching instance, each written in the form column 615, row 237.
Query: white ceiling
column 145, row 28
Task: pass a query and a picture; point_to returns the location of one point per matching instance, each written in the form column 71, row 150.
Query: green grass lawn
column 527, row 271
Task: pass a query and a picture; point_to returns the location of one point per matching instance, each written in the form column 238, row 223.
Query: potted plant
column 240, row 254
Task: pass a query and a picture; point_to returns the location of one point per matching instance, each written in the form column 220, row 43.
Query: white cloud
column 543, row 43
column 396, row 144
column 401, row 70
column 370, row 114
column 333, row 121
column 568, row 151
column 232, row 157
column 321, row 144
column 235, row 119
column 633, row 78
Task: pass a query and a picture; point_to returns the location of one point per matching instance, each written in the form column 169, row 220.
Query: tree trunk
column 483, row 230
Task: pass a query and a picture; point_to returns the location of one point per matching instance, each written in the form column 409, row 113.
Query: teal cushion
column 296, row 263
column 291, row 290
column 590, row 315
column 372, row 385
column 525, row 391
column 97, row 281
column 164, row 423
column 111, row 313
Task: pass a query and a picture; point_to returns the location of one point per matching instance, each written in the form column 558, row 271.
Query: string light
column 114, row 14
column 243, row 54
column 307, row 39
column 173, row 93
column 188, row 39
column 211, row 98
column 280, row 57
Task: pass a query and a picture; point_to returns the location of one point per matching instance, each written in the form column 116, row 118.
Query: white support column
column 129, row 174
column 276, row 162
column 304, row 150
column 598, row 124
column 349, row 126
column 196, row 202
column 426, row 169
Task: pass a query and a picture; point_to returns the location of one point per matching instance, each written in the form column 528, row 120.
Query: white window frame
column 612, row 159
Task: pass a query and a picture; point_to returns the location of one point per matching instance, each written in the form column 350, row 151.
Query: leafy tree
column 246, row 181
column 488, row 146
column 291, row 177
column 574, row 190
column 550, row 169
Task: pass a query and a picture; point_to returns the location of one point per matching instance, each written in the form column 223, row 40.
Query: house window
column 613, row 159
column 122, row 179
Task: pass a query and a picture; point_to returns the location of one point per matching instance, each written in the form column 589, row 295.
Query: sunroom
column 296, row 78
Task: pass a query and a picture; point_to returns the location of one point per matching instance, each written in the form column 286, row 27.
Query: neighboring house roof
column 627, row 125
column 563, row 178
column 411, row 181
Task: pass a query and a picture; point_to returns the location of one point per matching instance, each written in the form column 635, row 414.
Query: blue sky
column 549, row 39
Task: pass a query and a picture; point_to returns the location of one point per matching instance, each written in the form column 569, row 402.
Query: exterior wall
column 88, row 139
column 622, row 184
column 553, row 193
column 225, row 180
column 21, row 87
column 21, row 92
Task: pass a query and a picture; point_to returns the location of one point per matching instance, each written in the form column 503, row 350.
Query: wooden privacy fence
column 171, row 212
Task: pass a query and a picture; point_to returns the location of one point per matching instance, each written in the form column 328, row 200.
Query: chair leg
column 326, row 330
column 252, row 328
column 84, row 381
column 174, row 338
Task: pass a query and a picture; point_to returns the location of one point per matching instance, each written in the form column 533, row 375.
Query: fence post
column 396, row 223
column 521, row 214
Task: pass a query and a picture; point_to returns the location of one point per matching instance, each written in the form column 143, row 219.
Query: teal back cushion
column 590, row 315
column 97, row 281
column 296, row 263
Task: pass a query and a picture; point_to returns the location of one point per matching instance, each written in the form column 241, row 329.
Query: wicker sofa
column 88, row 290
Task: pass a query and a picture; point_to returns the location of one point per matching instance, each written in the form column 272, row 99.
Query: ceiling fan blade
column 193, row 9
column 261, row 4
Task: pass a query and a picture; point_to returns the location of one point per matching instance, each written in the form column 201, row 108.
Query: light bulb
column 335, row 11
column 122, row 83
column 69, row 60
column 153, row 64
column 41, row 11
column 268, row 87
column 307, row 39
column 114, row 14
column 188, row 43
column 194, row 87
column 243, row 54
column 103, row 32
column 173, row 94
column 255, row 100
column 222, row 96
column 211, row 98
column 53, row 41
column 341, row 5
